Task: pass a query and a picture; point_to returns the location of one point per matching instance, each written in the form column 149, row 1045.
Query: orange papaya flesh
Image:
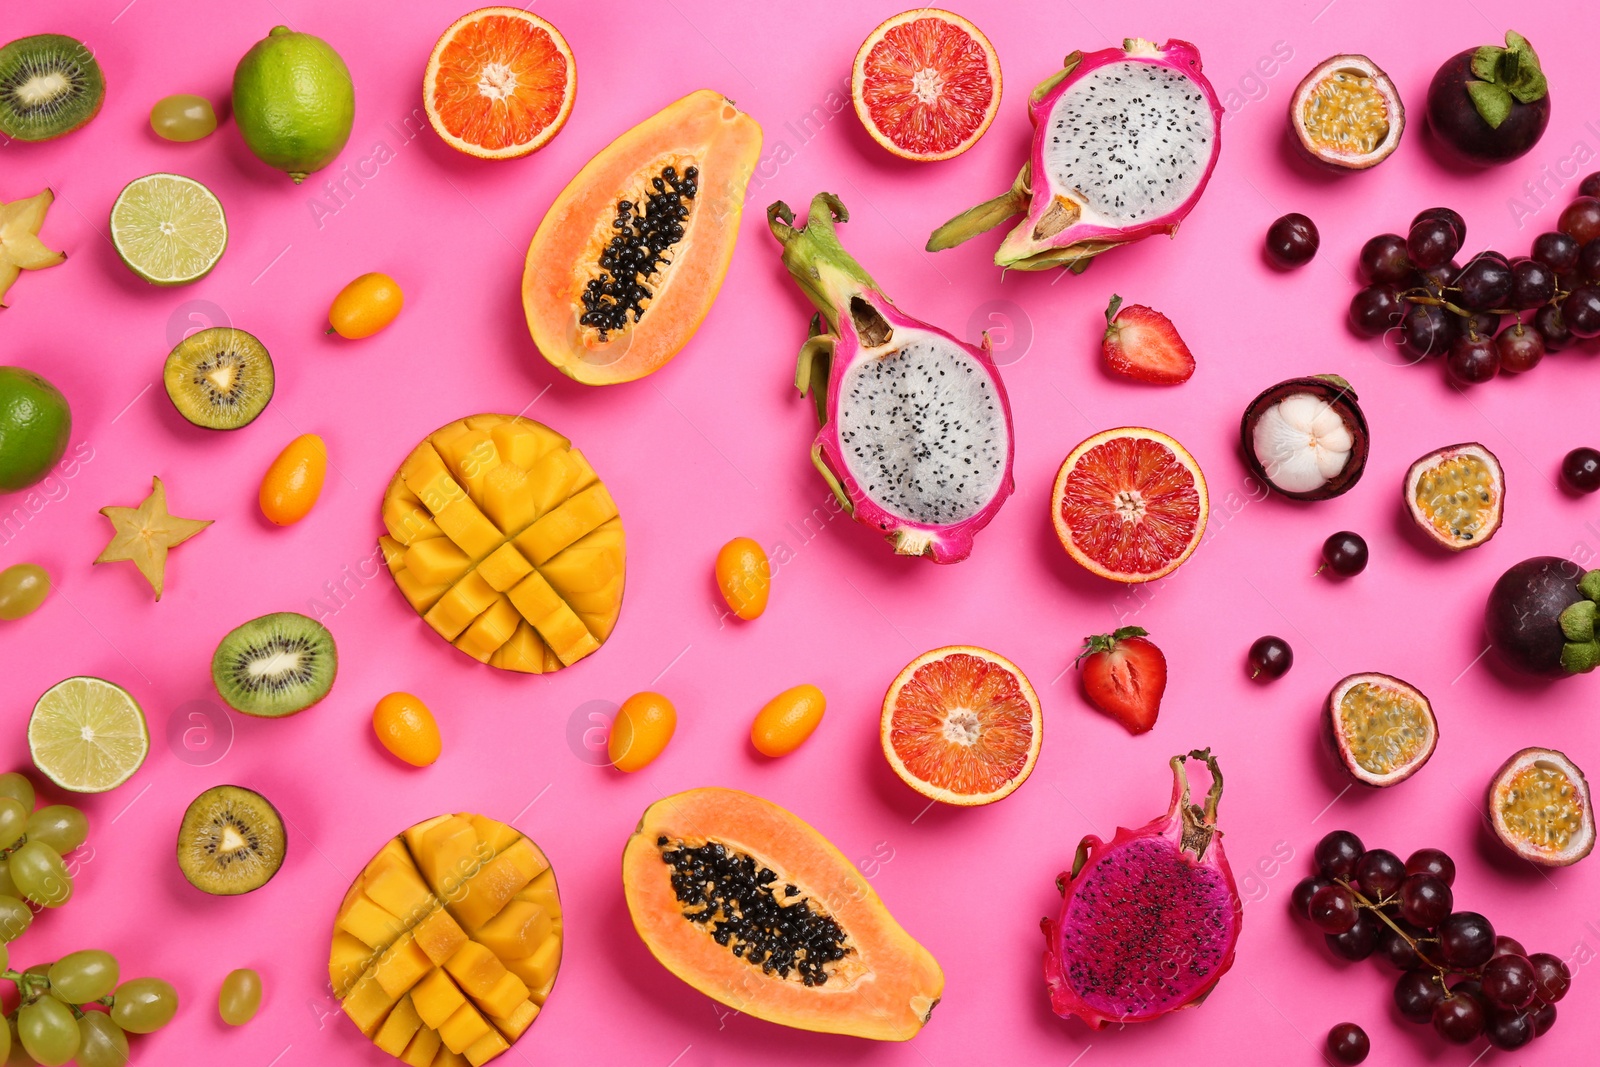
column 809, row 944
column 628, row 260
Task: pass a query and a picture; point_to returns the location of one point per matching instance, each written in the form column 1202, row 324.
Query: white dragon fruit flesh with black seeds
column 1149, row 920
column 1125, row 140
column 916, row 429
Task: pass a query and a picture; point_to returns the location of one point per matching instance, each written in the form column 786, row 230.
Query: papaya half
column 629, row 258
column 751, row 906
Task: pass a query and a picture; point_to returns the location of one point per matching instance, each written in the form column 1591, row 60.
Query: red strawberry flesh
column 1142, row 343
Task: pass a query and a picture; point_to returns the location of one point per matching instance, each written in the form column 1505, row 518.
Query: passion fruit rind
column 1340, row 746
column 1338, row 394
column 1516, row 837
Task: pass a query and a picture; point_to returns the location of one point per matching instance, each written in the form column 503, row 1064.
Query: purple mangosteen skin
column 1523, row 614
column 1461, row 131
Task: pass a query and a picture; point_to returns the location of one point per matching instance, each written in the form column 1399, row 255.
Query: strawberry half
column 1142, row 343
column 1124, row 676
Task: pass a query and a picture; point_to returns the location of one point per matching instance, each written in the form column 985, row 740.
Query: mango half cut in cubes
column 506, row 542
column 446, row 946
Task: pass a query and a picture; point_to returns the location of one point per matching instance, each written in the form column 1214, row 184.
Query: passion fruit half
column 1541, row 808
column 1456, row 495
column 1347, row 114
column 1305, row 437
column 1381, row 729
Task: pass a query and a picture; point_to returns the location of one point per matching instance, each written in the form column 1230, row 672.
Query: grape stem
column 1416, row 945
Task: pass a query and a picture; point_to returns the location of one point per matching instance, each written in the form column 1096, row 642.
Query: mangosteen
column 1490, row 104
column 1540, row 617
column 1305, row 437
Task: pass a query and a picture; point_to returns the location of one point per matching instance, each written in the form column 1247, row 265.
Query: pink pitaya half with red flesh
column 916, row 429
column 1124, row 142
column 1149, row 920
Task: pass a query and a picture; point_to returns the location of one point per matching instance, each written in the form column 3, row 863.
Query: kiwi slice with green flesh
column 219, row 378
column 275, row 665
column 49, row 85
column 231, row 841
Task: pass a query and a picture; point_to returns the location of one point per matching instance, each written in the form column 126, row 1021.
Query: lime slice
column 168, row 229
column 88, row 735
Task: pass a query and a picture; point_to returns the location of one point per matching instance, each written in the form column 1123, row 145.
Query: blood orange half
column 1129, row 504
column 500, row 83
column 926, row 84
column 962, row 725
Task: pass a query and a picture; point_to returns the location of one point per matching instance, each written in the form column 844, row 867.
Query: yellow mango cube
column 490, row 630
column 436, row 561
column 439, row 935
column 436, row 998
column 367, row 1004
column 448, row 1057
column 573, row 518
column 371, row 924
column 523, row 441
column 465, row 601
column 475, row 969
column 548, row 614
column 516, row 1024
column 519, row 929
column 405, row 518
column 486, row 1048
column 463, row 1029
column 508, row 499
column 348, row 960
column 496, row 882
column 398, row 969
column 525, row 652
column 449, row 854
column 504, row 567
column 538, row 970
column 398, row 888
column 422, row 1049
column 395, row 1035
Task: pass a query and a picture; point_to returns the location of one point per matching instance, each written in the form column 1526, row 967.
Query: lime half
column 88, row 735
column 168, row 229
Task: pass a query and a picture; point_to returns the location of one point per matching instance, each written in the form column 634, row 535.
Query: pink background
column 716, row 445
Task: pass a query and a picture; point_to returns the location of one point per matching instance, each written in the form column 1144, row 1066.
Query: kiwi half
column 275, row 665
column 231, row 841
column 219, row 378
column 49, row 85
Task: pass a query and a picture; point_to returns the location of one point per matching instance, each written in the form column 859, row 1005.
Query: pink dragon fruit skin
column 1089, row 188
column 916, row 436
column 1149, row 920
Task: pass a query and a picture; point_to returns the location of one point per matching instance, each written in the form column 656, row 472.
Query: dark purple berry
column 1484, row 283
column 1380, row 873
column 1552, row 979
column 1580, row 469
column 1336, row 854
column 1292, row 240
column 1333, row 910
column 1532, row 284
column 1449, row 216
column 1557, row 251
column 1432, row 242
column 1459, row 1018
column 1383, row 260
column 1466, row 940
column 1581, row 311
column 1417, row 993
column 1376, row 309
column 1348, row 1043
column 1304, row 890
column 1581, row 219
column 1345, row 555
column 1544, row 1017
column 1425, row 900
column 1473, row 359
column 1552, row 326
column 1520, row 348
column 1358, row 942
column 1508, row 982
column 1432, row 861
column 1429, row 330
column 1270, row 657
column 1508, row 946
column 1589, row 261
column 1509, row 1029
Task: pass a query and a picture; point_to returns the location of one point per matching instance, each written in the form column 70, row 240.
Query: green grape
column 8, row 888
column 48, row 1031
column 23, row 587
column 5, row 1041
column 240, row 998
column 5, row 962
column 103, row 1042
column 16, row 785
column 61, row 826
column 15, row 917
column 39, row 873
column 17, row 1055
column 82, row 976
column 13, row 821
column 144, row 1005
column 183, row 117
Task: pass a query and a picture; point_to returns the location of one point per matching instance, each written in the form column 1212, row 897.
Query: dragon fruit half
column 916, row 428
column 1124, row 142
column 1149, row 920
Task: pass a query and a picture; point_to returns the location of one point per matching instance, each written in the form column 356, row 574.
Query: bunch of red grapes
column 1494, row 314
column 1455, row 972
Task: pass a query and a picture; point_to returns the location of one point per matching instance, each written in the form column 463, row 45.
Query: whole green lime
column 293, row 101
column 35, row 424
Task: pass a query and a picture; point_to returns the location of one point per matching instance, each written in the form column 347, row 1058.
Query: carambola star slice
column 143, row 535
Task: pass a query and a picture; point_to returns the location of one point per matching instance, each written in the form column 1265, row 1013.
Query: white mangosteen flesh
column 1302, row 443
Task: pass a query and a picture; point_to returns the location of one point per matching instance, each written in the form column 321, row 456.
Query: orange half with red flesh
column 1129, row 504
column 500, row 83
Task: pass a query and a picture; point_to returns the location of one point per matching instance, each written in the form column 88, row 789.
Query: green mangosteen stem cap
column 1505, row 76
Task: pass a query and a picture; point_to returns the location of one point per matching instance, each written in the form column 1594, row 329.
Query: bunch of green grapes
column 31, row 846
column 57, row 1019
